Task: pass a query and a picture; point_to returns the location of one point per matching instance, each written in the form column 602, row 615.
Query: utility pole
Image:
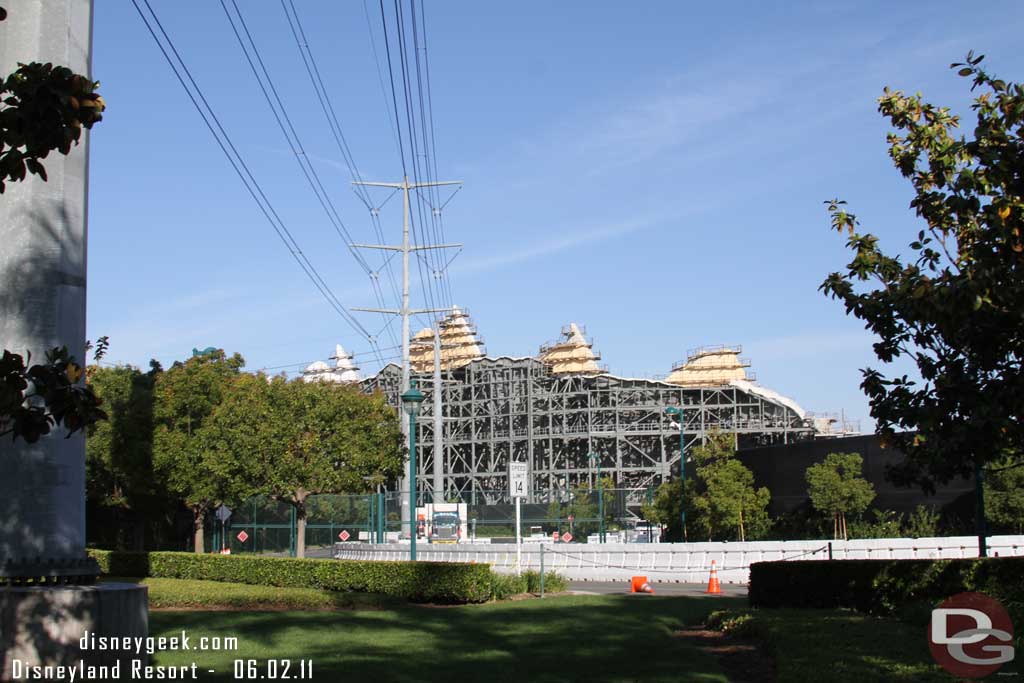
column 406, row 248
column 438, row 421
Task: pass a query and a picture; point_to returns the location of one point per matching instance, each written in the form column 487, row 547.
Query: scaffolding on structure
column 711, row 366
column 497, row 410
column 459, row 344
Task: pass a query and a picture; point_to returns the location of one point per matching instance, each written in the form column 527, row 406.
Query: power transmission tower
column 406, row 248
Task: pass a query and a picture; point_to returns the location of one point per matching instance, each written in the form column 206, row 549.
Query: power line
column 353, row 355
column 439, row 208
column 238, row 164
column 429, row 156
column 288, row 130
column 428, row 284
column 300, row 367
column 326, row 105
column 428, row 298
column 396, row 129
column 380, row 76
column 284, row 122
column 391, row 77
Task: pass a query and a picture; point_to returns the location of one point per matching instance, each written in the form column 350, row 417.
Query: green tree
column 721, row 500
column 1004, row 498
column 307, row 439
column 732, row 501
column 119, row 450
column 582, row 508
column 664, row 509
column 798, row 523
column 184, row 397
column 837, row 489
column 877, row 524
column 606, row 493
column 554, row 514
column 726, row 497
column 923, row 522
column 955, row 307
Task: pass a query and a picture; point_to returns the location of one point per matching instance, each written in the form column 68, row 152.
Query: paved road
column 694, row 589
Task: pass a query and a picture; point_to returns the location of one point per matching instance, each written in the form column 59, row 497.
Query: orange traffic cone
column 713, row 586
column 639, row 584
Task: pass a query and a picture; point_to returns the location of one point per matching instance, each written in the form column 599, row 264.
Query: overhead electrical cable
column 291, row 136
column 428, row 158
column 380, row 75
column 206, row 112
column 327, row 106
column 438, row 206
column 428, row 298
column 284, row 122
column 391, row 77
column 427, row 284
column 353, row 356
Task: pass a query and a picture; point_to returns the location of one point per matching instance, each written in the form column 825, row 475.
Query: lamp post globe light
column 411, row 401
column 678, row 411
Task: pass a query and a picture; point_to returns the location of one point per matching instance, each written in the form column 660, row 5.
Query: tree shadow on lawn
column 593, row 638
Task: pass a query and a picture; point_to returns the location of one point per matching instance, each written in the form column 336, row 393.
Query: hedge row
column 504, row 586
column 886, row 586
column 437, row 582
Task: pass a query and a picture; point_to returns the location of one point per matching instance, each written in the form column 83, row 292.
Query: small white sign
column 518, row 478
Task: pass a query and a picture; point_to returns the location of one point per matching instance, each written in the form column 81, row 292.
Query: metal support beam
column 438, row 441
column 501, row 408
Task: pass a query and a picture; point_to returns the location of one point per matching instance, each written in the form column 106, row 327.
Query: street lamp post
column 678, row 410
column 594, row 457
column 411, row 401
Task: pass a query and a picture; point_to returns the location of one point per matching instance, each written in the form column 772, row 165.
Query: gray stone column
column 42, row 293
column 42, row 306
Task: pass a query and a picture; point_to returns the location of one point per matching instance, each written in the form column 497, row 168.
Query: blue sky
column 654, row 171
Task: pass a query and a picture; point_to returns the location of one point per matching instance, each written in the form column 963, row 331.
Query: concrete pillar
column 42, row 306
column 42, row 293
column 42, row 626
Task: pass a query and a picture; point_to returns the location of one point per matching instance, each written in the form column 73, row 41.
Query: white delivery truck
column 442, row 522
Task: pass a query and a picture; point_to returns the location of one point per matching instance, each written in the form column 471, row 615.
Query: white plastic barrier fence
column 679, row 562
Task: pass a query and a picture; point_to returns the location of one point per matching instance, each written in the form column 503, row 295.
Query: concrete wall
column 679, row 562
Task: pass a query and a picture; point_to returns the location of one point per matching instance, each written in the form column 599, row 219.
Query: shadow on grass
column 592, row 638
column 851, row 647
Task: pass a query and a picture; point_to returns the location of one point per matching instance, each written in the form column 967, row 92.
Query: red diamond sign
column 242, row 536
column 344, row 535
column 566, row 537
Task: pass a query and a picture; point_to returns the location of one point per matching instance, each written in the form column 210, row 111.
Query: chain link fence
column 268, row 526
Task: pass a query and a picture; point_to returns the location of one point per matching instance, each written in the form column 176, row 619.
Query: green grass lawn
column 568, row 638
column 849, row 646
column 853, row 646
column 360, row 637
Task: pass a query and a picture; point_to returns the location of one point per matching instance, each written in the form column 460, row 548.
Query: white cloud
column 551, row 246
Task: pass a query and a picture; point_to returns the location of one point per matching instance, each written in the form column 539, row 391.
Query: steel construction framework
column 497, row 409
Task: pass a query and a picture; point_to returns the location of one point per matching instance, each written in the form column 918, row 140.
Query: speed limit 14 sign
column 517, row 479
